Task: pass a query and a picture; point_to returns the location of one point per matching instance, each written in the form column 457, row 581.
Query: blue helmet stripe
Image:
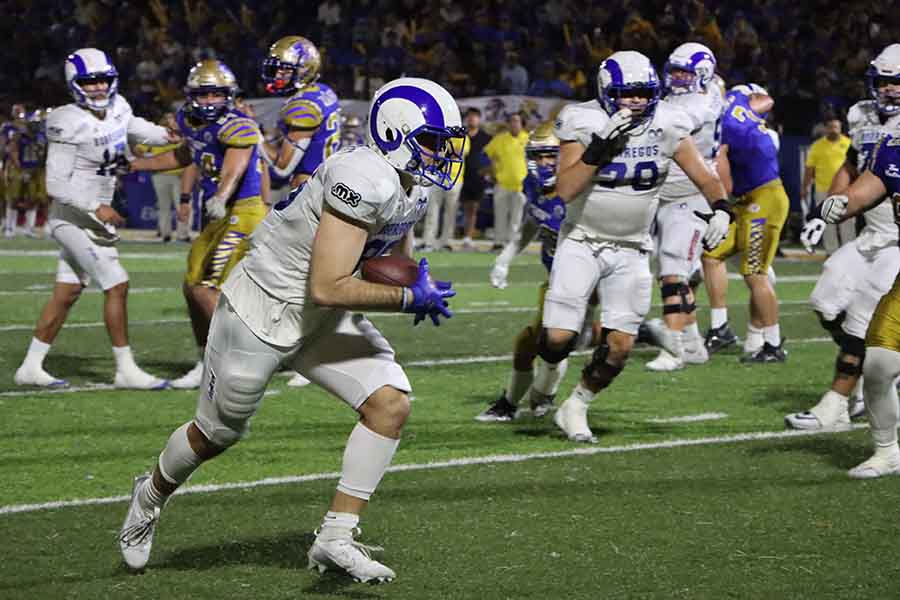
column 615, row 71
column 430, row 108
column 80, row 67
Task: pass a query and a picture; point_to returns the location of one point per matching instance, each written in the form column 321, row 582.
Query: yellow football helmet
column 542, row 144
column 210, row 77
column 295, row 55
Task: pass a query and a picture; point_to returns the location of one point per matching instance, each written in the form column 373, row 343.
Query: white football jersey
column 620, row 203
column 865, row 130
column 355, row 182
column 705, row 110
column 82, row 154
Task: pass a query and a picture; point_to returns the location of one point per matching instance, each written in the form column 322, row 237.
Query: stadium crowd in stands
column 809, row 55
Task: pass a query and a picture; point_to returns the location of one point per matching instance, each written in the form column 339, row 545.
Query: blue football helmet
column 412, row 123
column 87, row 66
column 628, row 73
column 697, row 61
column 882, row 72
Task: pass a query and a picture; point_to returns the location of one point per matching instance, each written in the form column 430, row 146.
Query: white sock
column 178, row 461
column 37, row 350
column 506, row 257
column 755, row 338
column 337, row 525
column 519, row 382
column 150, row 497
column 547, row 377
column 881, row 367
column 718, row 317
column 582, row 394
column 366, row 458
column 691, row 336
column 30, row 218
column 124, row 358
column 772, row 334
column 12, row 215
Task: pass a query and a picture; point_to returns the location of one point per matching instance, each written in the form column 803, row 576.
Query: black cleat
column 645, row 336
column 767, row 354
column 719, row 338
column 501, row 410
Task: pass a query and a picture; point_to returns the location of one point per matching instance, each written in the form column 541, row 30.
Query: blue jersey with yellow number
column 209, row 141
column 886, row 166
column 314, row 108
column 32, row 147
column 751, row 151
column 548, row 212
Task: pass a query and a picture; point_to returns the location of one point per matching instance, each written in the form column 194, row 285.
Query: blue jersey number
column 645, row 175
column 717, row 138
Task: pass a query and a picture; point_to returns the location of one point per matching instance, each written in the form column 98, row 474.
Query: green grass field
column 660, row 508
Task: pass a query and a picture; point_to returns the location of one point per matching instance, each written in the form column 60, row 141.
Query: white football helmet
column 628, row 73
column 695, row 59
column 883, row 80
column 87, row 66
column 411, row 121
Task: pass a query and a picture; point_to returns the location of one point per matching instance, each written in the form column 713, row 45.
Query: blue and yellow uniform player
column 748, row 166
column 11, row 172
column 223, row 143
column 309, row 122
column 881, row 366
column 28, row 152
column 543, row 216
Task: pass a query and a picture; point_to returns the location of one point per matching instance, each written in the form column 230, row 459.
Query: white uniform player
column 856, row 276
column 605, row 240
column 88, row 142
column 690, row 86
column 293, row 300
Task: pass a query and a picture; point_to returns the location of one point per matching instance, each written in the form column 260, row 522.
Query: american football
column 391, row 269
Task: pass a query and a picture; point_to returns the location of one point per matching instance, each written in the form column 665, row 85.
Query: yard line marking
column 94, row 387
column 44, row 290
column 55, row 254
column 709, row 416
column 458, row 462
column 373, row 316
column 462, row 360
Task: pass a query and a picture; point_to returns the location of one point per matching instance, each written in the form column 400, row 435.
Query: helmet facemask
column 209, row 112
column 433, row 158
column 94, row 99
column 885, row 90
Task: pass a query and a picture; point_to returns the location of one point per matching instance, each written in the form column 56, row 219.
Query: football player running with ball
column 615, row 153
column 294, row 300
column 544, row 213
column 222, row 142
column 860, row 272
column 87, row 144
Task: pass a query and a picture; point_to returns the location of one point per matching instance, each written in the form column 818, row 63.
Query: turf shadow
column 841, row 452
column 286, row 550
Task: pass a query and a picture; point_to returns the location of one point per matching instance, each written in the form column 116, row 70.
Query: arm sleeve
column 142, row 131
column 60, row 165
column 353, row 194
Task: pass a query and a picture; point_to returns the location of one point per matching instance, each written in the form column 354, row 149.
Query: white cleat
column 571, row 418
column 831, row 413
column 298, row 381
column 696, row 356
column 190, row 380
column 350, row 556
column 665, row 362
column 136, row 379
column 31, row 375
column 136, row 535
column 498, row 276
column 670, row 341
column 885, row 461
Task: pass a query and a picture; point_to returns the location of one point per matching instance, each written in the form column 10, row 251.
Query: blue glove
column 429, row 297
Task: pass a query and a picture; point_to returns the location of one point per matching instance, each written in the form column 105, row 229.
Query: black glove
column 601, row 152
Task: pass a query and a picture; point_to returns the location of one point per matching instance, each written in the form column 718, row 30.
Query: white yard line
column 710, row 416
column 127, row 255
column 459, row 462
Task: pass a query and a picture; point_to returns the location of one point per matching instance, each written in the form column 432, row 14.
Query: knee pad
column 677, row 289
column 598, row 373
column 833, row 326
column 239, row 394
column 851, row 346
column 554, row 356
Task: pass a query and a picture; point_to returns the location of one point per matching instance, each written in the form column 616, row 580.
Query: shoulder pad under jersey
column 239, row 132
column 301, row 113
